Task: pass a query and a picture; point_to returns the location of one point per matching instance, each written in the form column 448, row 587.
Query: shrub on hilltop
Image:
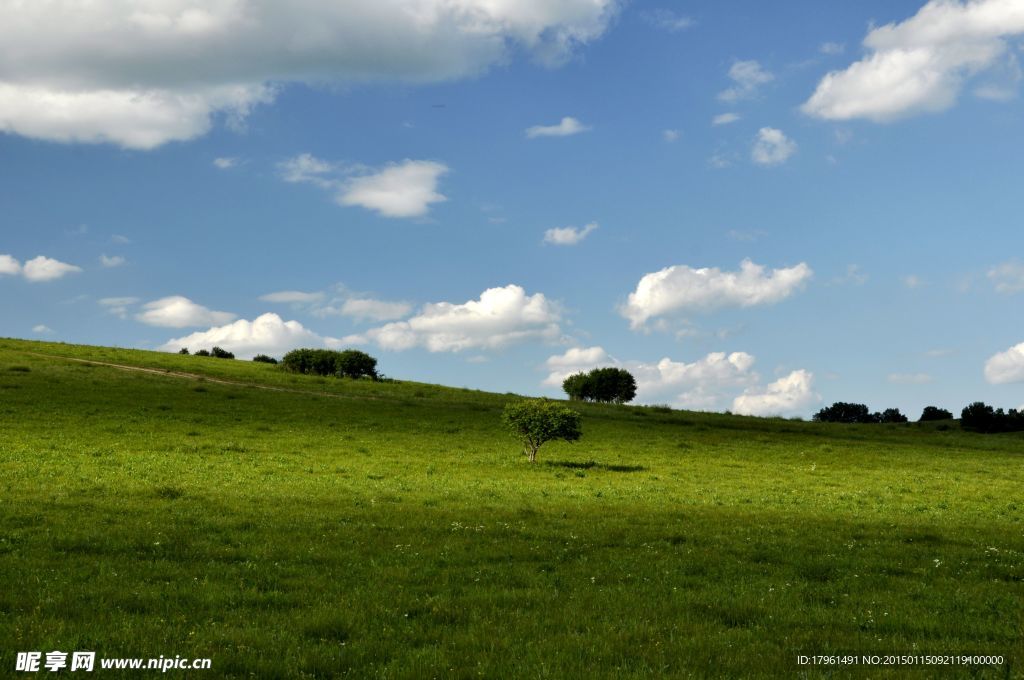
column 350, row 363
column 615, row 385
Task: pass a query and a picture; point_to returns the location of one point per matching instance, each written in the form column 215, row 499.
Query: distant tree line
column 615, row 385
column 842, row 412
column 216, row 352
column 977, row 417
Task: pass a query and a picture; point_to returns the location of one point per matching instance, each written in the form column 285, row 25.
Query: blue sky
column 752, row 207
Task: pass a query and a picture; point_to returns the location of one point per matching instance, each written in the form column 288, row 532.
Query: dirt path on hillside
column 198, row 377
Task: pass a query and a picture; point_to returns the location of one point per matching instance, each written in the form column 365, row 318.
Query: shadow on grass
column 594, row 465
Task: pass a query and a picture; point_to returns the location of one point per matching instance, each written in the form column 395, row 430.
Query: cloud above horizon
column 142, row 75
column 177, row 311
column 568, row 236
column 404, row 189
column 1006, row 367
column 266, row 334
column 566, row 127
column 683, row 288
column 789, row 395
column 748, row 77
column 498, row 318
column 705, row 384
column 920, row 65
column 772, row 147
column 38, row 269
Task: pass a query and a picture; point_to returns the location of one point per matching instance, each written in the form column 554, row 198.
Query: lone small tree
column 536, row 421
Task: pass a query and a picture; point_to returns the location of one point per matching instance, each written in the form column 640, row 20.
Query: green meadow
column 293, row 526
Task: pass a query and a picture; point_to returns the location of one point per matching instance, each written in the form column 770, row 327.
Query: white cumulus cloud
column 703, row 384
column 680, row 288
column 568, row 236
column 405, row 189
column 177, row 311
column 567, row 126
column 47, row 269
column 9, row 266
column 500, row 317
column 748, row 76
column 789, row 395
column 1006, row 367
column 574, row 360
column 111, row 261
column 266, row 334
column 921, row 64
column 141, row 74
column 772, row 147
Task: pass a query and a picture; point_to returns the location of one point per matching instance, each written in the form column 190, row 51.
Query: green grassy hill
column 292, row 526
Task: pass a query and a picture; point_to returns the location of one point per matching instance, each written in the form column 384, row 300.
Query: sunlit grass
column 394, row 530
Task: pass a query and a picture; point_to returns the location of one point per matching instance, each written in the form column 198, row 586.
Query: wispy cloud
column 566, row 127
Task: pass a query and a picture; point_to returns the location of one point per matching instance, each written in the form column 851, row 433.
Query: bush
column 203, row 353
column 536, row 421
column 350, row 364
column 183, row 350
column 934, row 413
column 264, row 359
column 221, row 353
column 601, row 384
column 355, row 364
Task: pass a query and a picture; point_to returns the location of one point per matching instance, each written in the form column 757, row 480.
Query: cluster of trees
column 350, row 363
column 216, row 352
column 614, row 385
column 842, row 412
column 264, row 359
column 980, row 417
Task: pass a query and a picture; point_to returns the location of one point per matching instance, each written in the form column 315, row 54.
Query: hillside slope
column 326, row 526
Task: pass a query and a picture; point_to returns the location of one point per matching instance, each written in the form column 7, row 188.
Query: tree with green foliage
column 842, row 412
column 891, row 415
column 980, row 417
column 264, row 359
column 221, row 353
column 536, row 421
column 183, row 350
column 608, row 384
column 348, row 364
column 203, row 353
column 934, row 413
column 352, row 363
column 577, row 387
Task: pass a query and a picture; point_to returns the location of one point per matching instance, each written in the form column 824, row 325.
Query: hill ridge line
column 195, row 376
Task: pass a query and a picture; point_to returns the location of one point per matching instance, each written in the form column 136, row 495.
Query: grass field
column 392, row 530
